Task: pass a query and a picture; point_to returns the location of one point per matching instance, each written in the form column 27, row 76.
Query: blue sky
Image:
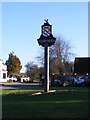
column 21, row 27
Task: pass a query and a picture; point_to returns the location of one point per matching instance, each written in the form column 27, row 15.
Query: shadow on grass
column 62, row 103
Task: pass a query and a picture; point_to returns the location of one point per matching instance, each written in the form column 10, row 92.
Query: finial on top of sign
column 46, row 20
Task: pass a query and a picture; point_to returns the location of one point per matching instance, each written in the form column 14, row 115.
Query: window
column 4, row 75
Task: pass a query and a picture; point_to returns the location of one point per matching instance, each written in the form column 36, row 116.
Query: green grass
column 66, row 102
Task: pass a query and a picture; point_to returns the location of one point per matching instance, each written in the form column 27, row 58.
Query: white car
column 12, row 78
column 24, row 79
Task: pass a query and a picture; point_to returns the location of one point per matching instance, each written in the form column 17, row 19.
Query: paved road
column 17, row 85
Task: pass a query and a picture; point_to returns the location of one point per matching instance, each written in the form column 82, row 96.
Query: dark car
column 64, row 81
column 57, row 81
column 87, row 81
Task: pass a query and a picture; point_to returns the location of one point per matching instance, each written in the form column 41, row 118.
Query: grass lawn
column 66, row 102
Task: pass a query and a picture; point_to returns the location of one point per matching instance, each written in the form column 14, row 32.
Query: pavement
column 17, row 85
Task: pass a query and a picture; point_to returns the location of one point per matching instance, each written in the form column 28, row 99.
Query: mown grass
column 66, row 102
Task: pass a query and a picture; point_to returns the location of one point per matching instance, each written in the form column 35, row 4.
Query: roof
column 82, row 65
column 23, row 74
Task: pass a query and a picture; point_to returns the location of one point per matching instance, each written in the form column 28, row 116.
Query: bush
column 10, row 81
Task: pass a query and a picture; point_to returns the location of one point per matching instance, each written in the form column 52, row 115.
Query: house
column 82, row 66
column 3, row 72
column 24, row 77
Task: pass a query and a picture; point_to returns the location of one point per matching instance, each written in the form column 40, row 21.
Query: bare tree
column 40, row 58
column 33, row 71
column 59, row 56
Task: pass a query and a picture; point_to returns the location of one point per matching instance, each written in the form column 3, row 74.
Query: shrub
column 10, row 81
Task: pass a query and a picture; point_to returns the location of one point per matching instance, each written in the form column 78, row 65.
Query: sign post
column 46, row 40
column 46, row 68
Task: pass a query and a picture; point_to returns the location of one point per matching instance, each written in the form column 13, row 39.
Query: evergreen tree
column 13, row 65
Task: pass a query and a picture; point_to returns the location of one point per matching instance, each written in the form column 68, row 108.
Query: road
column 17, row 85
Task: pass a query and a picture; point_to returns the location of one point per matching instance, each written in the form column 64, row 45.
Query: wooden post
column 46, row 70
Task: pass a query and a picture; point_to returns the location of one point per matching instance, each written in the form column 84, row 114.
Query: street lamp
column 46, row 40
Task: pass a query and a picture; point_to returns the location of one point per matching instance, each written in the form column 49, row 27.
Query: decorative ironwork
column 46, row 38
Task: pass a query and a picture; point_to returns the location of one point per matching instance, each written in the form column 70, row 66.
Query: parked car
column 64, row 81
column 87, row 81
column 24, row 79
column 57, row 80
column 79, row 80
column 13, row 78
